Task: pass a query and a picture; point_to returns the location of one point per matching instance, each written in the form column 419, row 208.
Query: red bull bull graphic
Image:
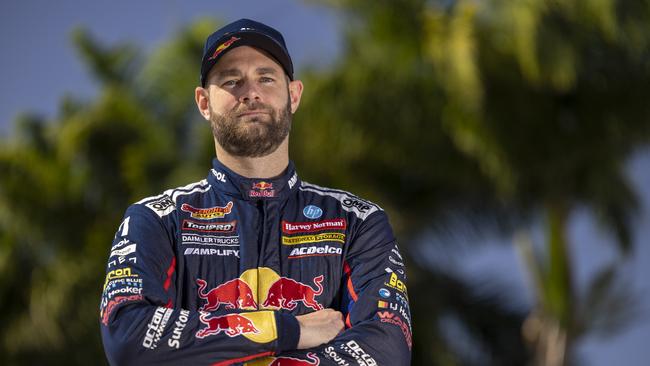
column 262, row 189
column 232, row 325
column 290, row 361
column 234, row 294
column 208, row 213
column 285, row 293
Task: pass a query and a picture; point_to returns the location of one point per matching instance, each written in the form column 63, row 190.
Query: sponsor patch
column 262, row 190
column 121, row 243
column 395, row 261
column 118, row 273
column 162, row 206
column 402, row 299
column 120, row 286
column 396, row 252
column 388, row 317
column 219, row 175
column 122, row 260
column 384, row 293
column 226, row 241
column 360, row 205
column 209, row 213
column 360, row 355
column 314, row 251
column 123, row 230
column 205, row 227
column 332, row 355
column 105, row 312
column 310, row 227
column 400, row 271
column 212, row 251
column 123, row 290
column 396, row 283
column 317, row 238
column 179, row 325
column 124, row 251
column 156, row 327
column 312, row 212
column 292, row 181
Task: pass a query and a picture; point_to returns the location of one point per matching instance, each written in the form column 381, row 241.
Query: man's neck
column 268, row 166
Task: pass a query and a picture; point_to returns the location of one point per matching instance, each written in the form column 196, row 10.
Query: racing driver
column 252, row 265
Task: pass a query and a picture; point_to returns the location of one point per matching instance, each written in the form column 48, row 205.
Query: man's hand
column 319, row 327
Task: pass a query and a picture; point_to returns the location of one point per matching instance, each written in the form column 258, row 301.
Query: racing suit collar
column 227, row 181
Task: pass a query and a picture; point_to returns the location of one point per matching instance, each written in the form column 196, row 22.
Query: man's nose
column 249, row 93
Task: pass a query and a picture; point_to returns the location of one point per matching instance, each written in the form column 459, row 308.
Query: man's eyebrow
column 229, row 72
column 266, row 70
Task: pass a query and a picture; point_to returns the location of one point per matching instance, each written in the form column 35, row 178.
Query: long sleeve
column 141, row 323
column 375, row 304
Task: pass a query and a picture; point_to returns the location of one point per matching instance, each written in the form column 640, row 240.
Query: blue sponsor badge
column 312, row 212
column 384, row 293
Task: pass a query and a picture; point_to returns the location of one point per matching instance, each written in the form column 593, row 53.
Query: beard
column 251, row 136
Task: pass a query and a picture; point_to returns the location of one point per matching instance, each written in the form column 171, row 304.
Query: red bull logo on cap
column 231, row 324
column 286, row 292
column 222, row 47
column 234, row 294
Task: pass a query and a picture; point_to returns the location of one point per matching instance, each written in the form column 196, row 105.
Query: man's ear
column 295, row 93
column 202, row 99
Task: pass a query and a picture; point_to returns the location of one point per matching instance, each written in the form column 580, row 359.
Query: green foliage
column 66, row 183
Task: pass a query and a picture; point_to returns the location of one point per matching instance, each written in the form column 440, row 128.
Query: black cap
column 245, row 32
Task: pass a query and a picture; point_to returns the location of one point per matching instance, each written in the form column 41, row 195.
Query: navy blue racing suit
column 215, row 273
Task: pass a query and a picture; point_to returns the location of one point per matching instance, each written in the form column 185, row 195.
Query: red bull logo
column 262, row 185
column 231, row 324
column 222, row 47
column 262, row 189
column 285, row 293
column 207, row 213
column 290, row 361
column 234, row 294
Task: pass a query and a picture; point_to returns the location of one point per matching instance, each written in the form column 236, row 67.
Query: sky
column 39, row 65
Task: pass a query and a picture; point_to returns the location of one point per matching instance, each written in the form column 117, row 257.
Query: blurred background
column 508, row 141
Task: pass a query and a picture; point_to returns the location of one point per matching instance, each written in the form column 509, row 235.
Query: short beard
column 240, row 139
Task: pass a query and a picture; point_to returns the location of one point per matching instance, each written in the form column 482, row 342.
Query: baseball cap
column 245, row 32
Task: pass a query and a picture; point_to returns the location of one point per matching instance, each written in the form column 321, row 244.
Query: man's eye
column 265, row 79
column 229, row 83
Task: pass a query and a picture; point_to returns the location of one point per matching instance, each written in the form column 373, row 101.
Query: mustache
column 250, row 107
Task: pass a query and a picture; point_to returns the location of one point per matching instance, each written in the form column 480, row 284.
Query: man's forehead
column 243, row 58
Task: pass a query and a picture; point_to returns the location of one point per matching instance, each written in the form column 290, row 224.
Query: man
column 252, row 265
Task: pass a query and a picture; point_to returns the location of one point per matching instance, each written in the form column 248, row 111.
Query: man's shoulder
column 166, row 202
column 353, row 204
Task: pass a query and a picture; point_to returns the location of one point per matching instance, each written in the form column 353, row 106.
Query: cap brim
column 250, row 38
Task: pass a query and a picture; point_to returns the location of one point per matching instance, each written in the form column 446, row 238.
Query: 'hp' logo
column 312, row 212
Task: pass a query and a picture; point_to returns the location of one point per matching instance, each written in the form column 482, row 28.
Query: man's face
column 250, row 108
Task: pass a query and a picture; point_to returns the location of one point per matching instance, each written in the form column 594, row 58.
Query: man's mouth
column 253, row 113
